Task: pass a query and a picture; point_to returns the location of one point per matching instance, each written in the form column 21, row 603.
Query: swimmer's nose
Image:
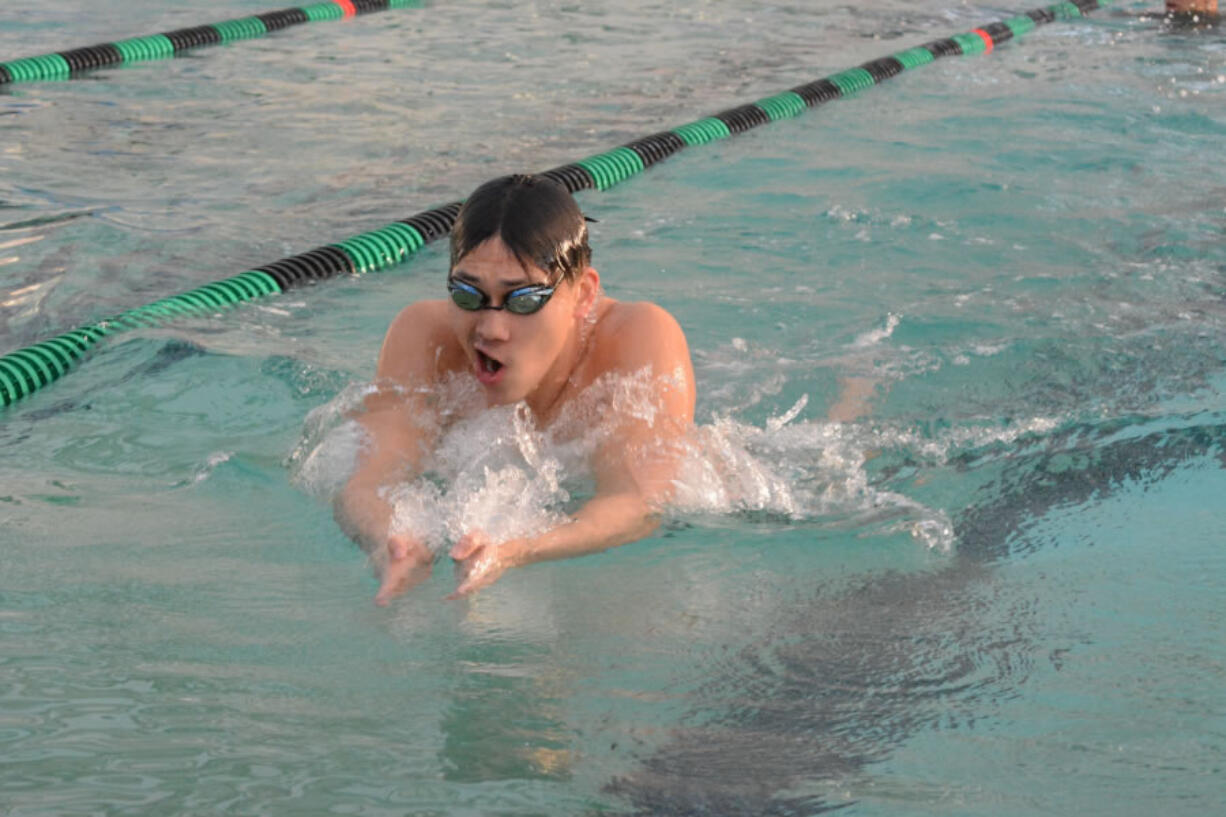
column 493, row 325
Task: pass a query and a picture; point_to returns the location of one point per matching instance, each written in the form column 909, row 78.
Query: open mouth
column 487, row 367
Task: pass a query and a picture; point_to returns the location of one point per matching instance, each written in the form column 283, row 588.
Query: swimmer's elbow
column 854, row 399
column 360, row 512
column 344, row 516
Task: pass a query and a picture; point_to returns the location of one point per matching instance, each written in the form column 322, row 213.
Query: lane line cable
column 66, row 64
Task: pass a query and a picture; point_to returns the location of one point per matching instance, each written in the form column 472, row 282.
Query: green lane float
column 65, row 64
column 26, row 370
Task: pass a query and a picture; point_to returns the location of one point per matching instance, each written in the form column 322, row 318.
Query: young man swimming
column 1188, row 7
column 525, row 320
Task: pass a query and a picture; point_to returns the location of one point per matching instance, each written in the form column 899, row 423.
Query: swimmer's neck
column 566, row 377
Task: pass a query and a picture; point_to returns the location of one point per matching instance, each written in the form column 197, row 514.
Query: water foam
column 496, row 471
column 806, row 471
column 329, row 444
column 875, row 336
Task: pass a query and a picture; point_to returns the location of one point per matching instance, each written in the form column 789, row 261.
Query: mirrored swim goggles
column 519, row 301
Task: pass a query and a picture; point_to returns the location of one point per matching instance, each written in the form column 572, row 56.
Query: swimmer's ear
column 588, row 284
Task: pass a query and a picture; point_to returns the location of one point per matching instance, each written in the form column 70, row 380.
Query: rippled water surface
column 1000, row 592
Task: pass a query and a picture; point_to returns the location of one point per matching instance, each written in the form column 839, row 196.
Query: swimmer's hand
column 479, row 562
column 407, row 565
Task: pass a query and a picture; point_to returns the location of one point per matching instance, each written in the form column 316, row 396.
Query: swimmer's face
column 520, row 357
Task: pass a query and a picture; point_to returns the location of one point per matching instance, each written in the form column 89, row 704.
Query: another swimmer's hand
column 479, row 562
column 408, row 565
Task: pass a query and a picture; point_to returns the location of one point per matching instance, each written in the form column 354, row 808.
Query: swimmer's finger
column 400, row 547
column 469, row 565
column 392, row 584
column 470, row 585
column 399, row 576
column 481, row 569
column 469, row 544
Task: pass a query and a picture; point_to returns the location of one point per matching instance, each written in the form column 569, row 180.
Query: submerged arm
column 391, row 453
column 400, row 428
column 854, row 396
column 396, row 440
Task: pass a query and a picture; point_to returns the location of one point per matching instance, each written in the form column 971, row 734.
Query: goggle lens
column 523, row 301
column 465, row 297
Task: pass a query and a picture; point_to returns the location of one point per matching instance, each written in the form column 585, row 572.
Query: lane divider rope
column 28, row 369
column 64, row 64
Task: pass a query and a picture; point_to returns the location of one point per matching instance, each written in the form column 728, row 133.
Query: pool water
column 1000, row 591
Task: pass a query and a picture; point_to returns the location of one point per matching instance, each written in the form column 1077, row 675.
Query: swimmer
column 526, row 321
column 1199, row 7
column 1191, row 14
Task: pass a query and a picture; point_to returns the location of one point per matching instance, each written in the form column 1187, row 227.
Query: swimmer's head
column 523, row 291
column 536, row 218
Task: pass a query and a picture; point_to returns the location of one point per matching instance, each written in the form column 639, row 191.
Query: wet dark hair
column 536, row 218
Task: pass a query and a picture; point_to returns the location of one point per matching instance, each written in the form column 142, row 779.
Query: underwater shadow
column 845, row 678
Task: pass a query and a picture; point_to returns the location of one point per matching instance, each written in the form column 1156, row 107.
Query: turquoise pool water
column 1001, row 592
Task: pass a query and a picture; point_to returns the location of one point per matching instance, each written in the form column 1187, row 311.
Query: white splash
column 875, row 336
column 495, row 470
column 776, row 423
column 329, row 444
column 210, row 465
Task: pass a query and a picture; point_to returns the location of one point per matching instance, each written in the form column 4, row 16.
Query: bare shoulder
column 418, row 344
column 639, row 333
column 643, row 335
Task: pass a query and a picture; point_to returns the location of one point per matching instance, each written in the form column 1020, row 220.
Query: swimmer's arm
column 389, row 455
column 853, row 401
column 399, row 430
column 624, row 509
column 634, row 471
column 616, row 515
column 362, row 508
